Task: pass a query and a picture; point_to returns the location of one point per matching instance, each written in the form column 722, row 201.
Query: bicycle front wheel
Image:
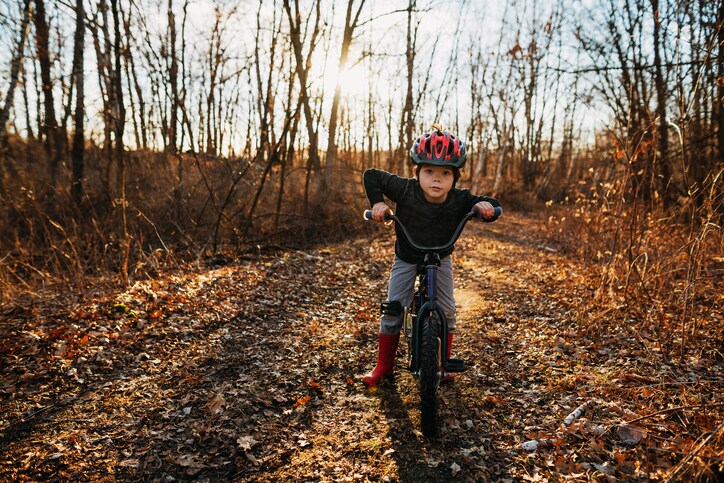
column 429, row 379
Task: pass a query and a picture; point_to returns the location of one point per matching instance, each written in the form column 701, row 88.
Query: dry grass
column 175, row 208
column 662, row 265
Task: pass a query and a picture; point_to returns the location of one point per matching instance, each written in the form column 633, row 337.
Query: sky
column 449, row 29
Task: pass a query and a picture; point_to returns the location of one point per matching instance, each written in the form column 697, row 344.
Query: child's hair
column 437, row 126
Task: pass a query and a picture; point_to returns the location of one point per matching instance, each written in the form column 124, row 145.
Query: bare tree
column 173, row 80
column 104, row 65
column 78, row 147
column 49, row 130
column 10, row 95
column 217, row 60
column 531, row 61
column 302, row 72
column 720, row 83
column 407, row 121
column 15, row 69
column 135, row 85
column 265, row 104
column 350, row 24
column 662, row 125
column 502, row 99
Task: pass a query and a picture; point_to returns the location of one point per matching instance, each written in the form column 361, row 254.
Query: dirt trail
column 250, row 371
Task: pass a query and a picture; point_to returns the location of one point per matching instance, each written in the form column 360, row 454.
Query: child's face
column 436, row 182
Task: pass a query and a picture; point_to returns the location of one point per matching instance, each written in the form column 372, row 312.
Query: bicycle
column 425, row 327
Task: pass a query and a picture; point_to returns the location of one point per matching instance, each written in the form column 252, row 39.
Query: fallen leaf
column 252, row 458
column 605, row 468
column 246, row 442
column 630, row 435
column 302, row 401
column 155, row 313
column 186, row 460
column 215, row 405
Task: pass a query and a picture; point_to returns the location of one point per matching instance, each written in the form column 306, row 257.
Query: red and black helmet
column 439, row 148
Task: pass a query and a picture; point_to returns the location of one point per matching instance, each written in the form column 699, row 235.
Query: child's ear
column 414, row 171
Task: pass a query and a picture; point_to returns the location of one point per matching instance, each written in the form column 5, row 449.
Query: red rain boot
column 448, row 376
column 385, row 360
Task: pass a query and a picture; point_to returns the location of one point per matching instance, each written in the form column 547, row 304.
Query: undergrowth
column 170, row 209
column 659, row 265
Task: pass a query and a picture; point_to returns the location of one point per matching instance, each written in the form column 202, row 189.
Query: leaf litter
column 251, row 371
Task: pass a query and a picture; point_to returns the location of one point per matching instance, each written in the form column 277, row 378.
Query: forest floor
column 248, row 369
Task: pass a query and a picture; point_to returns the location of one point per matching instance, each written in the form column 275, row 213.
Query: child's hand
column 379, row 210
column 486, row 210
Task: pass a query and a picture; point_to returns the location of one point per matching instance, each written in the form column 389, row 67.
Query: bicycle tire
column 429, row 378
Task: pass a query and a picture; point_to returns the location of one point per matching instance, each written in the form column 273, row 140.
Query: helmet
column 439, row 148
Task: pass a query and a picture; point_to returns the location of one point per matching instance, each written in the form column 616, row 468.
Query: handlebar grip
column 368, row 215
column 497, row 210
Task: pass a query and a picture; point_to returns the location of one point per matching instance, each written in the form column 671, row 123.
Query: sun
column 354, row 83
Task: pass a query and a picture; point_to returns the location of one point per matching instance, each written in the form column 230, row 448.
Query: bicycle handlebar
column 456, row 235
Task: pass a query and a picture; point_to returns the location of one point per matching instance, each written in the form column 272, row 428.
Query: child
column 431, row 208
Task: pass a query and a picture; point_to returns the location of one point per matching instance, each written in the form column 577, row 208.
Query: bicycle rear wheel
column 429, row 379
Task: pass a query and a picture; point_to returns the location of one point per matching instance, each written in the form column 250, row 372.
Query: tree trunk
column 133, row 77
column 264, row 98
column 105, row 76
column 719, row 101
column 78, row 149
column 119, row 112
column 406, row 124
column 15, row 71
column 501, row 163
column 215, row 59
column 172, row 148
column 26, row 104
column 9, row 97
column 349, row 27
column 54, row 144
column 178, row 191
column 662, row 125
column 529, row 93
column 173, row 80
column 302, row 71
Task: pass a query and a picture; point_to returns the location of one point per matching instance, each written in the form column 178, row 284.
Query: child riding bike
column 431, row 207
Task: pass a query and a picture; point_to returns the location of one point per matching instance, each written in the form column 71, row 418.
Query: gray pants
column 402, row 288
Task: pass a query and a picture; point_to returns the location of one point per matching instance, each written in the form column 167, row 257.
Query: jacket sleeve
column 379, row 184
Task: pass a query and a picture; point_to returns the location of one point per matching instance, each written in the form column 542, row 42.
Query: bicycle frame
column 423, row 305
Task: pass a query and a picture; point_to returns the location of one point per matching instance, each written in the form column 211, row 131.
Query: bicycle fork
column 427, row 305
